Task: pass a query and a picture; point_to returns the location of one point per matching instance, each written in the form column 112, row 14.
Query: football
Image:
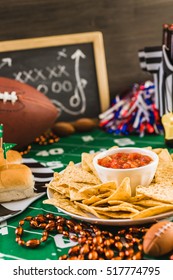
column 159, row 239
column 24, row 112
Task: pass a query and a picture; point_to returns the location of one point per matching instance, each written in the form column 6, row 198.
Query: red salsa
column 124, row 160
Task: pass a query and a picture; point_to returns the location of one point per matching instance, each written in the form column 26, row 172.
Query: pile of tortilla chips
column 78, row 190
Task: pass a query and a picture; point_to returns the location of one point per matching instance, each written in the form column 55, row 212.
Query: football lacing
column 163, row 228
column 8, row 96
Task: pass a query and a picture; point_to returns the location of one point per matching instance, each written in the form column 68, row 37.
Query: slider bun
column 12, row 157
column 16, row 182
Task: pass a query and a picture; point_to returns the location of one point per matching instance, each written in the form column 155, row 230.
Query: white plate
column 14, row 208
column 113, row 222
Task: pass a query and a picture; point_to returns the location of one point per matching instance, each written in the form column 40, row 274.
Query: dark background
column 127, row 26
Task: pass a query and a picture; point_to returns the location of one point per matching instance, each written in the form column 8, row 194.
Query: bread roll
column 16, row 182
column 12, row 157
column 159, row 239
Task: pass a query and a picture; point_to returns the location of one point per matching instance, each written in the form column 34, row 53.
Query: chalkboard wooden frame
column 96, row 38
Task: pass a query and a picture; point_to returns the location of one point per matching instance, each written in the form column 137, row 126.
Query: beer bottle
column 170, row 42
column 165, row 32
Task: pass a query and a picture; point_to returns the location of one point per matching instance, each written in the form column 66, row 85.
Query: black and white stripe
column 150, row 59
column 5, row 211
column 42, row 176
column 166, row 87
column 155, row 61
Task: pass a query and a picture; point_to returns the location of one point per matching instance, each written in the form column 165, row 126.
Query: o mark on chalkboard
column 42, row 88
column 75, row 99
column 56, row 87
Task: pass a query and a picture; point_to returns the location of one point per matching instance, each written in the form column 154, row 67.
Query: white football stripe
column 42, row 179
column 25, row 160
column 41, row 170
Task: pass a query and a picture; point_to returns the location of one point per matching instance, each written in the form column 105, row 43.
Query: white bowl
column 138, row 176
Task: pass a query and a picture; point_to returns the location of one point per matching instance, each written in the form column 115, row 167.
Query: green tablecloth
column 57, row 156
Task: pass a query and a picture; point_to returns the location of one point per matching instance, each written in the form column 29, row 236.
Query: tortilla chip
column 164, row 173
column 148, row 148
column 123, row 192
column 75, row 195
column 90, row 210
column 159, row 192
column 74, row 173
column 119, row 215
column 113, row 148
column 84, row 164
column 164, row 155
column 157, row 150
column 149, row 202
column 61, row 189
column 105, row 194
column 116, row 202
column 79, row 186
column 152, row 211
column 99, row 189
column 66, row 205
column 91, row 200
column 112, row 202
column 114, row 208
column 136, row 198
column 56, row 176
column 87, row 163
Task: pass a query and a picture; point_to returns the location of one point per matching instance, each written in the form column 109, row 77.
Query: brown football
column 24, row 111
column 158, row 240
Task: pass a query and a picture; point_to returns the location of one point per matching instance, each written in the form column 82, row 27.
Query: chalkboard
column 68, row 69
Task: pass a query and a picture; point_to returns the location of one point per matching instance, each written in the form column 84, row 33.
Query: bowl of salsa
column 138, row 164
